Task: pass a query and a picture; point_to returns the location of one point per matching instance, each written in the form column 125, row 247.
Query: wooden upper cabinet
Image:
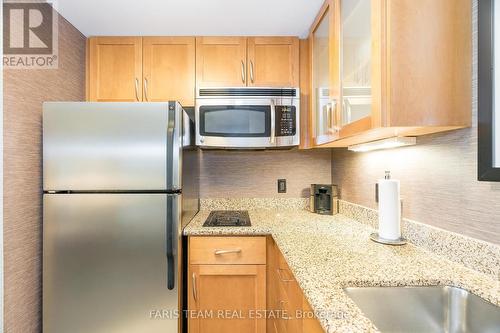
column 115, row 69
column 397, row 68
column 273, row 61
column 221, row 61
column 169, row 69
column 429, row 56
column 325, row 81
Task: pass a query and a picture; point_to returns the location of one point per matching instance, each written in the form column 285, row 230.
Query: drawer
column 227, row 250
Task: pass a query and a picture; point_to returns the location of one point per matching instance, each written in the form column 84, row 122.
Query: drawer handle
column 281, row 276
column 220, row 252
column 282, row 308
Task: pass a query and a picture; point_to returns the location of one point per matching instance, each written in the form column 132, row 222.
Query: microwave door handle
column 272, row 138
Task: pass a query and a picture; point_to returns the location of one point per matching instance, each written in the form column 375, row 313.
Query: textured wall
column 438, row 178
column 24, row 92
column 254, row 174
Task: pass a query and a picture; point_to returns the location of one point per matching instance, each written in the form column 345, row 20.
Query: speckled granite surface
column 473, row 253
column 329, row 253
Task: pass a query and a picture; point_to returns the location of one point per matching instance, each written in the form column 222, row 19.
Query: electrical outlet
column 281, row 185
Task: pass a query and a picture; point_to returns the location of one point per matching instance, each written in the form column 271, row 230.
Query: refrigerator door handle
column 170, row 243
column 170, row 146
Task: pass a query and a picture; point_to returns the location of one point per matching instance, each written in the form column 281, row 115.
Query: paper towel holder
column 376, row 238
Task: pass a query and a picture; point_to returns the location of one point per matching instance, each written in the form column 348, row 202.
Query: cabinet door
column 221, row 298
column 290, row 297
column 356, row 59
column 309, row 323
column 324, row 75
column 168, row 67
column 273, row 61
column 272, row 284
column 115, row 72
column 221, row 62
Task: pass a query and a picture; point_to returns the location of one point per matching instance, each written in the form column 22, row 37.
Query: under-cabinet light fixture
column 399, row 141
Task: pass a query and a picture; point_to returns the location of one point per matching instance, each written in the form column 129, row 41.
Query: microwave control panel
column 286, row 120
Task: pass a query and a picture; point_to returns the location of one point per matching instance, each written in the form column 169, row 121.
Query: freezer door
column 109, row 265
column 112, row 146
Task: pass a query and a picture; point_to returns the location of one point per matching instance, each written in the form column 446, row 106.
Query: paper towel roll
column 389, row 207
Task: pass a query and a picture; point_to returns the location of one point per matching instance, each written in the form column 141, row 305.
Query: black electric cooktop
column 228, row 218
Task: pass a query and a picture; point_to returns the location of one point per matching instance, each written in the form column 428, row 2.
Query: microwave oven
column 247, row 118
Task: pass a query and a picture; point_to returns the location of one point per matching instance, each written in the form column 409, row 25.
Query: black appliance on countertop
column 228, row 218
column 324, row 199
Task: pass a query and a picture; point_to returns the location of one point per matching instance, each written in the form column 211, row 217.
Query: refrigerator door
column 111, row 263
column 112, row 146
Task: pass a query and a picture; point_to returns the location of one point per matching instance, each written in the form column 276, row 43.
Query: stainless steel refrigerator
column 120, row 181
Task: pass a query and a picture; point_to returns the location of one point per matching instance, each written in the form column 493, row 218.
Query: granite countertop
column 329, row 253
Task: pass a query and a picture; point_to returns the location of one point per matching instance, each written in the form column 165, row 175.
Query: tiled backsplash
column 438, row 177
column 254, row 203
column 254, row 174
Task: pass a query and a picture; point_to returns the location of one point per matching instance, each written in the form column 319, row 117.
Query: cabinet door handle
column 332, row 117
column 333, row 106
column 251, row 71
column 281, row 276
column 195, row 292
column 329, row 117
column 335, row 118
column 243, row 72
column 220, row 252
column 146, row 89
column 282, row 308
column 137, row 89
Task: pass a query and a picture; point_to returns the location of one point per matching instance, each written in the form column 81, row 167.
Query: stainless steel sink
column 426, row 309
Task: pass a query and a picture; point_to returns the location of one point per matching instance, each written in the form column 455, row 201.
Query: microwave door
column 235, row 123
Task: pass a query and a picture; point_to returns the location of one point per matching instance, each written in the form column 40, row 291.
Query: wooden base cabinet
column 228, row 297
column 243, row 284
column 285, row 298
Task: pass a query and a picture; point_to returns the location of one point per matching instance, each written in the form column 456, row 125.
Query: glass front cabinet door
column 341, row 69
column 356, row 56
column 325, row 92
column 373, row 60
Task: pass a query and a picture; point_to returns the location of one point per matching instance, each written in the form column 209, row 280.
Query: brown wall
column 438, row 179
column 24, row 92
column 254, row 174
